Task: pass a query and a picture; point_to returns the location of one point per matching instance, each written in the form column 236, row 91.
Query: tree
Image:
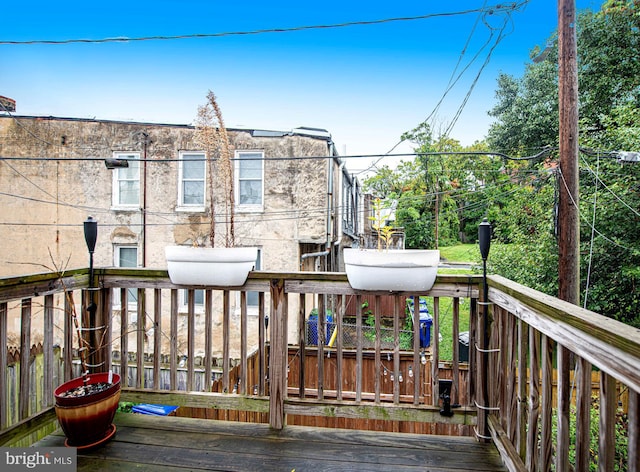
column 526, row 120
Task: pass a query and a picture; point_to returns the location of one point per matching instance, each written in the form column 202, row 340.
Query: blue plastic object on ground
column 151, row 409
column 426, row 320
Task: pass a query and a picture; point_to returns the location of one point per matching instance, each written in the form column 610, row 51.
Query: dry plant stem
column 82, row 348
column 212, row 134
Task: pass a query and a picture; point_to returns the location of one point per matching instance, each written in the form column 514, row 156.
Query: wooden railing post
column 3, row 364
column 25, row 345
column 278, row 354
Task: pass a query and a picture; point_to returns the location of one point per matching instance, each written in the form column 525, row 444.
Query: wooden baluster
column 512, row 359
column 633, row 442
column 455, row 331
column 608, row 406
column 48, row 387
column 523, row 336
column 157, row 336
column 226, row 339
column 583, row 413
column 534, row 399
column 208, row 340
column 302, row 339
column 262, row 342
column 564, row 403
column 396, row 350
column 378, row 343
column 173, row 343
column 546, row 456
column 141, row 325
column 435, row 353
column 244, row 378
column 3, row 365
column 124, row 338
column 417, row 378
column 278, row 357
column 25, row 354
column 339, row 361
column 359, row 359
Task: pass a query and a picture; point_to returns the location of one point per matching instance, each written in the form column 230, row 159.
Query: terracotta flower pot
column 88, row 420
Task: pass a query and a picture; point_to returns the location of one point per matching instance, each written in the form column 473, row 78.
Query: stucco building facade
column 294, row 199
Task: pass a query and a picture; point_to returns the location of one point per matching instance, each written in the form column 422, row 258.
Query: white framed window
column 126, row 181
column 126, row 256
column 192, row 177
column 249, row 175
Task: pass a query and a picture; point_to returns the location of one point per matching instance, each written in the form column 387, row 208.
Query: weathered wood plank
column 168, row 443
column 27, row 426
column 3, row 363
column 208, row 338
column 633, row 445
column 124, row 338
column 564, row 404
column 606, row 343
column 508, row 453
column 47, row 349
column 608, row 405
column 197, row 399
column 534, row 400
column 546, row 457
column 173, row 341
column 371, row 411
column 141, row 327
column 157, row 337
column 583, row 417
column 25, row 342
column 278, row 357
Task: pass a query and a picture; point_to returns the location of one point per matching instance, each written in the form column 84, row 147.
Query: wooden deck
column 170, row 444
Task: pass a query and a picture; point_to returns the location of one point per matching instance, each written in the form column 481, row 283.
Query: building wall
column 45, row 199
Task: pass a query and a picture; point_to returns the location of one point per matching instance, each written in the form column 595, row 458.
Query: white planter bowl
column 220, row 267
column 410, row 270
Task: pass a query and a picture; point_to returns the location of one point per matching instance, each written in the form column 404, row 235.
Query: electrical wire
column 124, row 39
column 574, row 203
column 593, row 225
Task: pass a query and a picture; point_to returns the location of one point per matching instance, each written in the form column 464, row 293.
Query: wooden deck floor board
column 169, row 444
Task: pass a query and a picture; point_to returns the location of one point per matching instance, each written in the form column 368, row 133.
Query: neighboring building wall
column 44, row 202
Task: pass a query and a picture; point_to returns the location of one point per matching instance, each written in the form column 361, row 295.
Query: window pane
column 193, row 193
column 250, row 192
column 130, row 173
column 250, row 168
column 193, row 169
column 128, row 257
column 129, row 192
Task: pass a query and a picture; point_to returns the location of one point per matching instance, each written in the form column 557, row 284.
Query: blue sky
column 365, row 84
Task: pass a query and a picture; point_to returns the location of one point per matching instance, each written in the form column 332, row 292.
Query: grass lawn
column 446, row 324
column 459, row 253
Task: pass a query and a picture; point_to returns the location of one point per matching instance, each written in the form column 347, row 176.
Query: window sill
column 191, row 209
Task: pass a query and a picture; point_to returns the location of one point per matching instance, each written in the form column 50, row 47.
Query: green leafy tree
column 526, row 120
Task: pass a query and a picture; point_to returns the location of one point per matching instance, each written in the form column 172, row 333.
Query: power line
column 124, row 39
column 544, row 151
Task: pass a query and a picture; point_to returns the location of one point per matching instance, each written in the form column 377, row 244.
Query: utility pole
column 568, row 214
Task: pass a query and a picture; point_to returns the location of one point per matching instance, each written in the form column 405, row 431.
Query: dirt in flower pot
column 84, row 390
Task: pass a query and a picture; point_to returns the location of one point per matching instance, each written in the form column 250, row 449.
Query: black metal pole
column 90, row 237
column 484, row 238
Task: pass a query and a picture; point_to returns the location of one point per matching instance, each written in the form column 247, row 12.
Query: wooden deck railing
column 257, row 355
